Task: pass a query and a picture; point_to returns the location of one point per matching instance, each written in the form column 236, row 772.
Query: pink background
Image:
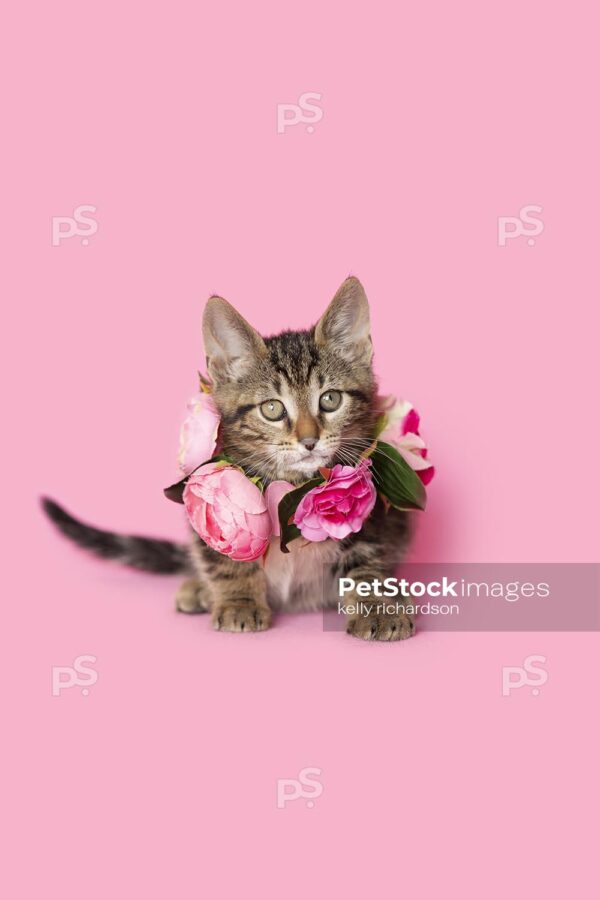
column 438, row 118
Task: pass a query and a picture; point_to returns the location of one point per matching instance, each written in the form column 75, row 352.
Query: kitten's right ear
column 231, row 344
column 345, row 323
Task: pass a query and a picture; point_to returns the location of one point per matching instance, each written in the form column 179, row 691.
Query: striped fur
column 147, row 554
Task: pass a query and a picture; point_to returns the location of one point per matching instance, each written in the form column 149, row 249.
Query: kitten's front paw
column 241, row 615
column 381, row 628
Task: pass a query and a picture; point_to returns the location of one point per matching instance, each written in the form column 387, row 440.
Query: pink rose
column 228, row 511
column 401, row 430
column 338, row 507
column 198, row 436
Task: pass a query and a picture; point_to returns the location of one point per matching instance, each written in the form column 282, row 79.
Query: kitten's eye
column 330, row 401
column 273, row 410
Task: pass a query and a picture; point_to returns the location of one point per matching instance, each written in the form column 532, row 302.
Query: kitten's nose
column 307, row 430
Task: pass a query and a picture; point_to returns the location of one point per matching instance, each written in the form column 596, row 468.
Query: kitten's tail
column 148, row 554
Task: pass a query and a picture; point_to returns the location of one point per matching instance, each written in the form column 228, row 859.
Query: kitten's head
column 297, row 401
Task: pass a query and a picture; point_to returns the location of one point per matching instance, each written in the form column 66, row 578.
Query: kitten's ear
column 231, row 344
column 345, row 325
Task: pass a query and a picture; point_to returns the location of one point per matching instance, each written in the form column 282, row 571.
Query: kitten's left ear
column 231, row 344
column 345, row 325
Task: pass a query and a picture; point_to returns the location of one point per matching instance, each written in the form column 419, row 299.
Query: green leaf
column 396, row 480
column 286, row 509
column 175, row 491
column 289, row 534
column 220, row 457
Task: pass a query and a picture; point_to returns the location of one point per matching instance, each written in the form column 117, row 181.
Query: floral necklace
column 237, row 516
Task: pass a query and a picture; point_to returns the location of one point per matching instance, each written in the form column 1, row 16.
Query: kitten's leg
column 238, row 593
column 240, row 590
column 375, row 625
column 367, row 561
column 235, row 593
column 192, row 597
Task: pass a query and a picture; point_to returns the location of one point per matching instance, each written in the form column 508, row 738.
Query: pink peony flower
column 338, row 507
column 198, row 436
column 228, row 511
column 273, row 495
column 401, row 430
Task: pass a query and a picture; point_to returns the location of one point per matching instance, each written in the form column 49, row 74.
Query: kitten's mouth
column 307, row 464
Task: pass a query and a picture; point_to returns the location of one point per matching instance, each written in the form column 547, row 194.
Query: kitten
column 290, row 404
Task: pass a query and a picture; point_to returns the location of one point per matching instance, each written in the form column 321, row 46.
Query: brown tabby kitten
column 290, row 404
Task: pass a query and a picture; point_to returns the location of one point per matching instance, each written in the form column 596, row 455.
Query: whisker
column 377, row 449
column 350, row 461
column 348, row 452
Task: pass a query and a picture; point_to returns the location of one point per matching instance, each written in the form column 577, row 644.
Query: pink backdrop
column 437, row 119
